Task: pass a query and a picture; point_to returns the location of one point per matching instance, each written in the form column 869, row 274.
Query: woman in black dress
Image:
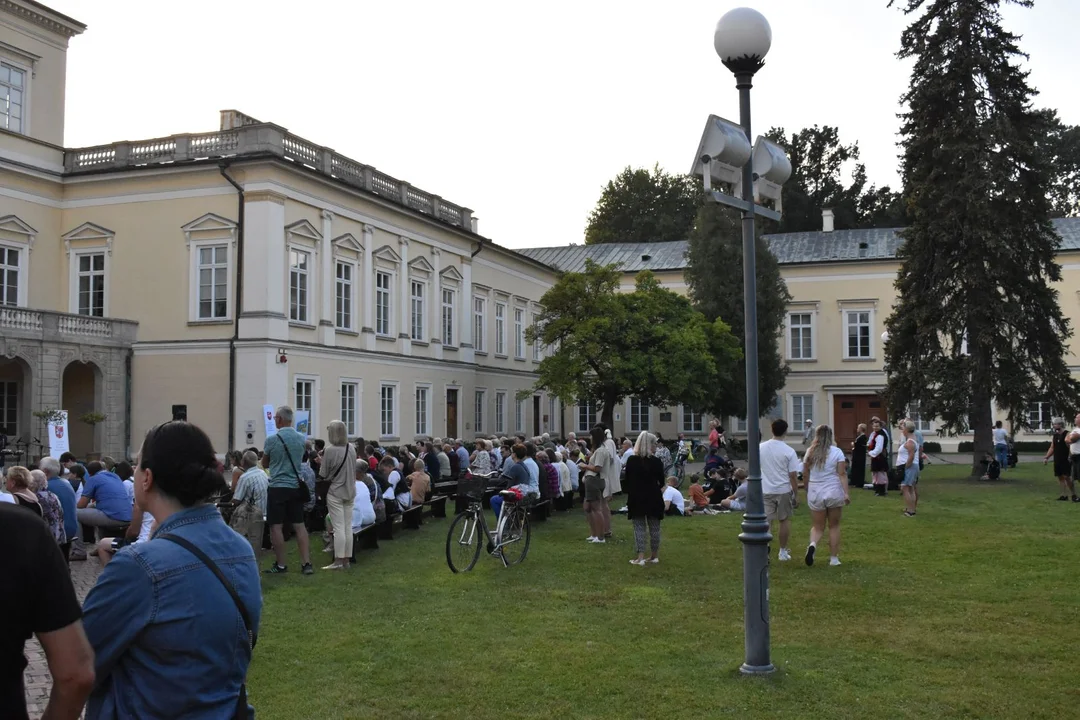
column 644, row 486
column 1059, row 453
column 857, row 474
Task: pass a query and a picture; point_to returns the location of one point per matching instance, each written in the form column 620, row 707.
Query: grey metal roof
column 790, row 249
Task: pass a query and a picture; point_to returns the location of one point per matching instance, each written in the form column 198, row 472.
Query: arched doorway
column 15, row 402
column 81, row 394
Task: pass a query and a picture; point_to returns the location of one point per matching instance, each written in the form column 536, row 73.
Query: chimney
column 474, row 224
column 826, row 220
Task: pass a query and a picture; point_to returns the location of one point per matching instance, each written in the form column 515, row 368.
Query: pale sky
column 520, row 112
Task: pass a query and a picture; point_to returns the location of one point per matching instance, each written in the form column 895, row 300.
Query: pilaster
column 367, row 331
column 436, row 304
column 328, row 317
column 265, row 294
column 403, row 293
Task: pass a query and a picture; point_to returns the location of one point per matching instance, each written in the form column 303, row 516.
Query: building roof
column 790, row 249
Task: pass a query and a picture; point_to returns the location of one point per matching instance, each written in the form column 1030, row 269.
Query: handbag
column 244, row 516
column 241, row 712
column 305, row 491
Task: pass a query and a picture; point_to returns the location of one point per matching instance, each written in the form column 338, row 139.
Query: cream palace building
column 210, row 274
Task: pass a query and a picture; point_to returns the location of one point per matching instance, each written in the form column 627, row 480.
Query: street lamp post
column 742, row 39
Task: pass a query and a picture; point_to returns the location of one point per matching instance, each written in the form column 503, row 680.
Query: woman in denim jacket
column 168, row 638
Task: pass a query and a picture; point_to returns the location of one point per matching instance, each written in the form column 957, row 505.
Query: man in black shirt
column 38, row 579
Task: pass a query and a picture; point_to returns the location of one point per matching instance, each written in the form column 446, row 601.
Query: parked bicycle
column 686, row 450
column 469, row 531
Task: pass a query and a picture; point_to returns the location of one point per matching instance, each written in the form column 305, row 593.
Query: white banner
column 59, row 443
column 268, row 418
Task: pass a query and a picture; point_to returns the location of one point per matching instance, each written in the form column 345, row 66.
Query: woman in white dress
column 825, row 470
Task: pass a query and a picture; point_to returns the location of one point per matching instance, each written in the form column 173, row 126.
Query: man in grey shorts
column 779, row 483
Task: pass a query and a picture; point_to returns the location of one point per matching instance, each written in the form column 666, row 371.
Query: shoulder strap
column 291, row 461
column 194, row 550
column 332, row 475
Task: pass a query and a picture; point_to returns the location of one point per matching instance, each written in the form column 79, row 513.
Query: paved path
column 38, row 681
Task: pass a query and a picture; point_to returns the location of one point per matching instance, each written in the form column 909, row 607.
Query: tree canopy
column 640, row 205
column 1061, row 145
column 606, row 346
column 716, row 286
column 977, row 319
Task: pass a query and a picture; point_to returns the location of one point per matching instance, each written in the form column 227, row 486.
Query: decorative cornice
column 49, row 19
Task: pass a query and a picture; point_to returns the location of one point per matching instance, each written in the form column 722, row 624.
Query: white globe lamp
column 742, row 39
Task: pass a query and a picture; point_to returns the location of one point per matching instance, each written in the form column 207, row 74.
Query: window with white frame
column 343, row 295
column 349, row 393
column 586, row 415
column 741, row 426
column 638, row 415
column 479, row 323
column 12, row 97
column 9, row 408
column 382, row 303
column 91, row 284
column 388, row 411
column 423, row 395
column 921, row 424
column 447, row 316
column 500, row 412
column 213, row 273
column 802, row 409
column 800, row 336
column 500, row 328
column 416, row 309
column 299, row 296
column 519, row 416
column 691, row 421
column 519, row 333
column 1040, row 415
column 9, row 276
column 857, row 325
column 479, row 404
column 305, row 391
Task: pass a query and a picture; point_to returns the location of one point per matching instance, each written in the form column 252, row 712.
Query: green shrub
column 932, row 447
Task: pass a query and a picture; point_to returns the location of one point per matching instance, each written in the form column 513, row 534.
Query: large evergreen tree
column 977, row 320
column 714, row 274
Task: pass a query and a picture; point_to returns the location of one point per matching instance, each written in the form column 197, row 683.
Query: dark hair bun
column 181, row 458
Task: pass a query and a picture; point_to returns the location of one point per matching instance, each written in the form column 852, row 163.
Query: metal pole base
column 757, row 669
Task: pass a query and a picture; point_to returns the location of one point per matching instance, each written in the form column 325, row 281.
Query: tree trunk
column 607, row 415
column 981, row 414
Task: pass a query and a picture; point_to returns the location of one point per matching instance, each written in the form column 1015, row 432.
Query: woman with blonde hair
column 18, row 482
column 645, row 496
column 339, row 468
column 825, row 470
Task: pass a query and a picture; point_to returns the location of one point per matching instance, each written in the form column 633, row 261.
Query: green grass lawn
column 968, row 610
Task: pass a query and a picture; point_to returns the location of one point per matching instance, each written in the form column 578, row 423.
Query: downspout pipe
column 237, row 302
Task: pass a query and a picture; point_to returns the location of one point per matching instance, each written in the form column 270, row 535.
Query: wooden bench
column 541, row 511
column 413, row 517
column 436, row 506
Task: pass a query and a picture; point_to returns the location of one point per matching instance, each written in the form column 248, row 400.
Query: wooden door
column 451, row 413
column 851, row 410
column 536, row 416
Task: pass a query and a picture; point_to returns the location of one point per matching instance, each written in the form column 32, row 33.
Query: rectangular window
column 348, row 407
column 416, row 309
column 800, row 336
column 304, row 393
column 387, row 421
column 9, row 408
column 9, row 276
column 519, row 334
column 519, row 416
column 500, row 328
column 299, row 264
column 344, row 296
column 500, row 412
column 1040, row 415
column 382, row 303
column 857, row 323
column 639, row 415
column 447, row 316
column 422, row 428
column 479, row 323
column 692, row 421
column 586, row 415
column 481, row 401
column 213, row 282
column 12, row 97
column 921, row 424
column 92, row 284
column 802, row 409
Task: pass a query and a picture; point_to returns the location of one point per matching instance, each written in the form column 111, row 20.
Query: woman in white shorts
column 825, row 468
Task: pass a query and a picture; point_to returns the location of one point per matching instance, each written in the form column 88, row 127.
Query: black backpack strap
column 292, row 462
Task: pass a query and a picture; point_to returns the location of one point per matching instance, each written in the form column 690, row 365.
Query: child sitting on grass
column 737, row 501
column 699, row 498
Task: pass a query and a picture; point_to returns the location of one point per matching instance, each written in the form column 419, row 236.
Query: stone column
column 265, row 272
column 468, row 351
column 436, row 304
column 403, row 283
column 328, row 280
column 368, row 285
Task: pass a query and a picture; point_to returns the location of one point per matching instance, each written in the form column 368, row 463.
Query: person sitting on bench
column 519, row 479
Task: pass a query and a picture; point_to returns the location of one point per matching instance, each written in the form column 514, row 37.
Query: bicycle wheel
column 515, row 532
column 463, row 542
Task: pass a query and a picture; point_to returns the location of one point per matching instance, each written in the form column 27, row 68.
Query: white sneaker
column 598, row 541
column 834, row 560
column 784, row 555
column 591, row 538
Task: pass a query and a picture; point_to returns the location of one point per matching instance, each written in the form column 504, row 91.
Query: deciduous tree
column 640, row 205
